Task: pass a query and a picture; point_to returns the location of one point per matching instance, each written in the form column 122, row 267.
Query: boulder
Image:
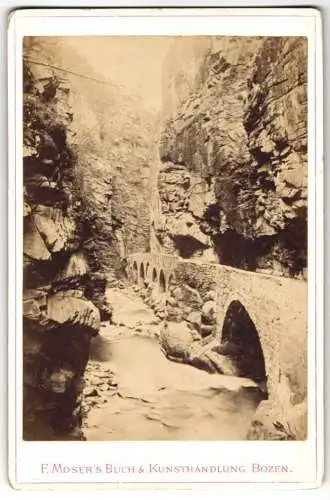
column 90, row 392
column 194, row 318
column 73, row 311
column 175, row 339
column 272, row 422
column 207, row 330
column 202, row 362
column 34, row 305
column 79, row 294
column 229, row 349
column 171, row 301
column 223, row 364
column 57, row 230
column 188, row 296
column 206, row 357
column 211, row 295
column 209, row 312
column 185, row 226
column 33, row 244
column 175, row 314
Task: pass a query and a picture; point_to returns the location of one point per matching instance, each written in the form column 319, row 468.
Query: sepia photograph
column 165, row 238
column 165, row 248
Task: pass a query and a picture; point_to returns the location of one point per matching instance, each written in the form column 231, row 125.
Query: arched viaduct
column 150, row 268
column 275, row 308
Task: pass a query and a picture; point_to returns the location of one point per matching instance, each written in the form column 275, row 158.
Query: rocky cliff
column 233, row 175
column 115, row 140
column 58, row 319
column 87, row 156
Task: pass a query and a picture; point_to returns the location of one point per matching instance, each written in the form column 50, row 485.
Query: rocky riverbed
column 133, row 392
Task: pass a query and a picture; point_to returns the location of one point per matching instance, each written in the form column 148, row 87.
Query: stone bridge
column 269, row 311
column 157, row 269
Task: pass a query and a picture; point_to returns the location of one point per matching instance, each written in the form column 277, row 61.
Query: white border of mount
column 304, row 458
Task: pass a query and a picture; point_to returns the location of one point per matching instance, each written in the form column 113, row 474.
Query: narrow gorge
column 165, row 238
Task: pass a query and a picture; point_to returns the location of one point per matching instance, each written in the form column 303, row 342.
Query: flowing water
column 135, row 393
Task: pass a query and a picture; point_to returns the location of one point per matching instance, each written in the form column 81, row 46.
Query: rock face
column 58, row 319
column 233, row 176
column 232, row 189
column 115, row 139
column 87, row 155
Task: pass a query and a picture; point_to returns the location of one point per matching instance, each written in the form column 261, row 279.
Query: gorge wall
column 233, row 175
column 87, row 153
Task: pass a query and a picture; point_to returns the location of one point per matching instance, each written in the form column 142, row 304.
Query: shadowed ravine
column 133, row 392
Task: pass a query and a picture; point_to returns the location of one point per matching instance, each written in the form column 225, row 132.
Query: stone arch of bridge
column 154, row 277
column 135, row 273
column 162, row 282
column 142, row 276
column 241, row 339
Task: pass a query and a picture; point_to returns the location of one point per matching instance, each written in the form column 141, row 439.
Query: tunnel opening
column 188, row 246
column 162, row 282
column 241, row 342
column 154, row 275
column 234, row 250
column 147, row 270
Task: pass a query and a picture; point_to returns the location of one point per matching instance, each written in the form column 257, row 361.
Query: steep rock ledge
column 88, row 155
column 233, row 179
column 115, row 140
column 232, row 189
column 58, row 318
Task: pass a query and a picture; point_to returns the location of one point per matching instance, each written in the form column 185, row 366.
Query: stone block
column 194, row 318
